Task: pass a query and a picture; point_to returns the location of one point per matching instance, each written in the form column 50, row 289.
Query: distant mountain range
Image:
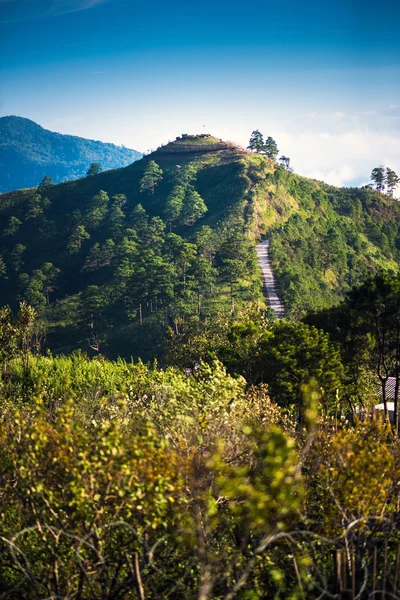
column 28, row 152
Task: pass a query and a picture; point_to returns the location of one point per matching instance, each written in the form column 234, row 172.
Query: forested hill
column 28, row 153
column 114, row 261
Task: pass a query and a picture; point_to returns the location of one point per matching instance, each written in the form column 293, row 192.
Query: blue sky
column 322, row 77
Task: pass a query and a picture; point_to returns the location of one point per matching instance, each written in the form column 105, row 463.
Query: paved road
column 269, row 289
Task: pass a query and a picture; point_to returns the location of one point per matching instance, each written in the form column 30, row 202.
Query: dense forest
column 162, row 433
column 113, row 261
column 28, row 153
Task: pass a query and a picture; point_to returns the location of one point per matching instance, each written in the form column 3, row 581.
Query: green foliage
column 45, row 184
column 256, row 142
column 174, row 205
column 151, row 178
column 122, row 480
column 193, row 207
column 78, row 234
column 102, row 232
column 378, row 178
column 13, row 226
column 367, row 327
column 271, row 148
column 392, row 180
column 94, row 169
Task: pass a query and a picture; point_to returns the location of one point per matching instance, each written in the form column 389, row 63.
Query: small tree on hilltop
column 151, row 178
column 256, row 142
column 94, row 169
column 271, row 148
column 285, row 162
column 392, row 180
column 45, row 184
column 378, row 178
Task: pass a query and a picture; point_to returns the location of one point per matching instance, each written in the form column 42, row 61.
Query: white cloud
column 342, row 158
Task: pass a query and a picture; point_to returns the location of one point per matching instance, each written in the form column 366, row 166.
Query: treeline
column 385, row 179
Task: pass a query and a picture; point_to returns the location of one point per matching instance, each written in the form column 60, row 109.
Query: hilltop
column 28, row 152
column 111, row 264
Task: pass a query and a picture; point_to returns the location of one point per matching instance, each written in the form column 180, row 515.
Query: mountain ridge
column 128, row 271
column 29, row 152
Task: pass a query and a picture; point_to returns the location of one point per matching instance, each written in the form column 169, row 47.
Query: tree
column 15, row 258
column 271, row 148
column 36, row 205
column 100, row 256
column 97, row 210
column 256, row 142
column 94, row 169
column 285, row 161
column 50, row 274
column 3, row 269
column 294, row 353
column 375, row 310
column 151, row 178
column 378, row 178
column 392, row 180
column 13, row 226
column 174, row 205
column 45, row 184
column 78, row 234
column 194, row 207
column 116, row 219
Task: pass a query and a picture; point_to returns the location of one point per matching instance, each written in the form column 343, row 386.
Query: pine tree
column 174, row 205
column 392, row 180
column 378, row 178
column 285, row 162
column 78, row 234
column 151, row 178
column 256, row 142
column 45, row 184
column 94, row 169
column 271, row 148
column 193, row 208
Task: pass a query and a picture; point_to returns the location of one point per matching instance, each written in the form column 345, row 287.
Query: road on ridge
column 269, row 288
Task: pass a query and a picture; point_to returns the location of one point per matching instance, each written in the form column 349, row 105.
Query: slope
column 28, row 152
column 111, row 268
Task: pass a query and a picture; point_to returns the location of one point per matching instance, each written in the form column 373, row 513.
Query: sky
column 321, row 77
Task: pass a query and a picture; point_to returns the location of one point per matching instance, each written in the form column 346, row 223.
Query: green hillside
column 28, row 153
column 113, row 260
